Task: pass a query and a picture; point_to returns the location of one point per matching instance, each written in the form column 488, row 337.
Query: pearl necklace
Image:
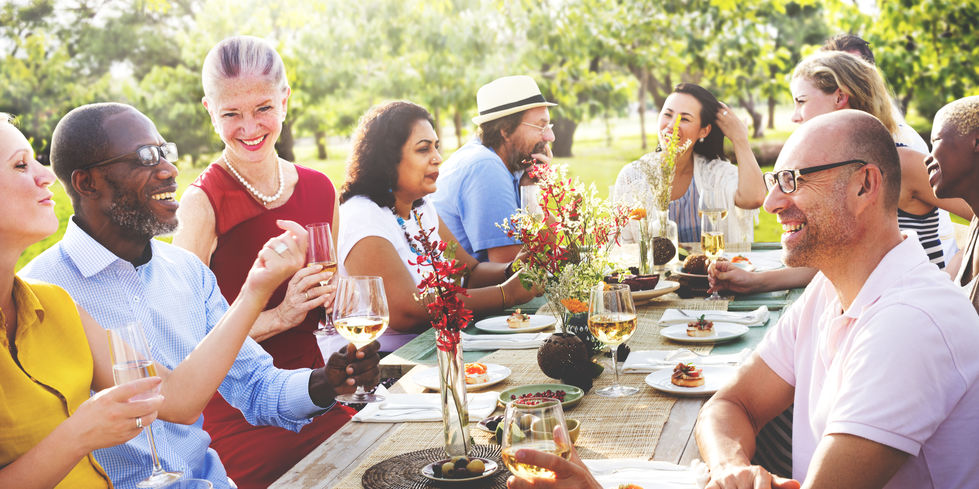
column 266, row 199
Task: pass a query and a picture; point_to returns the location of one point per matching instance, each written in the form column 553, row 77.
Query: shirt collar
column 89, row 256
column 901, row 259
column 27, row 303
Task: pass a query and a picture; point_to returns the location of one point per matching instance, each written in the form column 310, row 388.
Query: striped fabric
column 773, row 446
column 683, row 212
column 927, row 228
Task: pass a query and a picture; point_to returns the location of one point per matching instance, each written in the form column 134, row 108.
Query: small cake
column 687, row 375
column 476, row 373
column 700, row 328
column 518, row 320
column 696, row 264
column 741, row 259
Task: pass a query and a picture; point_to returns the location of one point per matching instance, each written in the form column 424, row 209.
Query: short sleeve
column 360, row 218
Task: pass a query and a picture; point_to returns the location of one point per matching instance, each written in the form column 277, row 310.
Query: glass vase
column 645, row 245
column 664, row 243
column 455, row 412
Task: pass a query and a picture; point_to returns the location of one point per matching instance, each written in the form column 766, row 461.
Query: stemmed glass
column 131, row 360
column 360, row 314
column 535, row 423
column 612, row 319
column 713, row 210
column 321, row 252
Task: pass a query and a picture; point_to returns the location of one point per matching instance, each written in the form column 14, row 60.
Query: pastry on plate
column 700, row 327
column 476, row 373
column 518, row 320
column 687, row 375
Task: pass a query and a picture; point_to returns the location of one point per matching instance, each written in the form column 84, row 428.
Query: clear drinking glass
column 535, row 423
column 360, row 314
column 612, row 319
column 713, row 211
column 321, row 252
column 131, row 360
column 529, row 200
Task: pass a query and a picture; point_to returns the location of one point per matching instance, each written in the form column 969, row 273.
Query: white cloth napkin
column 748, row 318
column 422, row 407
column 511, row 341
column 650, row 360
column 648, row 474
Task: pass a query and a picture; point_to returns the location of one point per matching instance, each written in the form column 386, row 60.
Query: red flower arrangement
column 449, row 314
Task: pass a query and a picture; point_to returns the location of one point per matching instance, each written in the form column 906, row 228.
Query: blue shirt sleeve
column 486, row 198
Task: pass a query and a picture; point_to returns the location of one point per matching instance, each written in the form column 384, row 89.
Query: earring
column 701, row 139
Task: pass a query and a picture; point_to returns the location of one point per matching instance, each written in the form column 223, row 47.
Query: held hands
column 748, row 477
column 281, row 257
column 344, row 371
column 569, row 474
column 304, row 293
column 109, row 417
column 724, row 276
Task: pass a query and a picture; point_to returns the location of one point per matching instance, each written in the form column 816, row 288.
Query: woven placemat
column 403, row 471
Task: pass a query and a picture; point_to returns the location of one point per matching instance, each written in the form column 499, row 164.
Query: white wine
column 528, row 471
column 712, row 243
column 328, row 266
column 135, row 370
column 612, row 328
column 713, row 215
column 361, row 330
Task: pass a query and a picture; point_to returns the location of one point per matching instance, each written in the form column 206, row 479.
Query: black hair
column 80, row 139
column 372, row 170
column 850, row 42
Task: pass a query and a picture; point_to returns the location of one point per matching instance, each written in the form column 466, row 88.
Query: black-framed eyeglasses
column 786, row 179
column 146, row 155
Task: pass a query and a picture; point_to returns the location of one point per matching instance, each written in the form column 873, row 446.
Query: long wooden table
column 660, row 426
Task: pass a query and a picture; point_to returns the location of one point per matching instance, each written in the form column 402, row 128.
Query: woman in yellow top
column 54, row 354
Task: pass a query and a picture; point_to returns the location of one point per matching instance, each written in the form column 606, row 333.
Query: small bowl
column 574, row 428
column 691, row 284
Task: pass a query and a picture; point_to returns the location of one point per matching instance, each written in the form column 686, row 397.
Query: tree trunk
column 285, row 146
column 642, row 109
column 771, row 113
column 436, row 116
column 457, row 120
column 320, row 138
column 756, row 117
column 563, row 137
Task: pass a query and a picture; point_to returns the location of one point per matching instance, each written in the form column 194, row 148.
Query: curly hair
column 372, row 170
column 712, row 146
column 858, row 79
column 489, row 132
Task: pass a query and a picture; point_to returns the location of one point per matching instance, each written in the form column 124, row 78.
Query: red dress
column 255, row 456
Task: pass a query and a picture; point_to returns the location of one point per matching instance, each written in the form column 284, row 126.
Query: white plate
column 722, row 332
column 429, row 378
column 497, row 324
column 715, row 377
column 663, row 287
column 490, row 469
column 762, row 260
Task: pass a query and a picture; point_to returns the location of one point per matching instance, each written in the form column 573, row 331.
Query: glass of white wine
column 360, row 315
column 321, row 252
column 713, row 211
column 131, row 360
column 535, row 423
column 612, row 319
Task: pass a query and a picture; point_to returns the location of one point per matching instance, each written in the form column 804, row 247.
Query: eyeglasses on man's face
column 146, row 155
column 786, row 179
column 543, row 129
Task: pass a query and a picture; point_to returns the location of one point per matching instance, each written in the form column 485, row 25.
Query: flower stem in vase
column 455, row 413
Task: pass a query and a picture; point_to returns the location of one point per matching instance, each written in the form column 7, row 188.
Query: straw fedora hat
column 508, row 95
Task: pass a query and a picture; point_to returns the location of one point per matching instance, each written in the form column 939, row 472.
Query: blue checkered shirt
column 177, row 300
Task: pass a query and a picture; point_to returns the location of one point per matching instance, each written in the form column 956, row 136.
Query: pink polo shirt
column 899, row 367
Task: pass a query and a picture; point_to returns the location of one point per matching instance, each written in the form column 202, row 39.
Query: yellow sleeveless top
column 53, row 378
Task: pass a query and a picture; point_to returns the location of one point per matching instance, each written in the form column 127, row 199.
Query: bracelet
column 502, row 293
column 508, row 271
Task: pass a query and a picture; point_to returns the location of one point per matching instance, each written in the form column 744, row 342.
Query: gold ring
column 279, row 248
column 139, row 423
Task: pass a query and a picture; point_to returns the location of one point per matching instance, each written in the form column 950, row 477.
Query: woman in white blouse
column 393, row 167
column 702, row 167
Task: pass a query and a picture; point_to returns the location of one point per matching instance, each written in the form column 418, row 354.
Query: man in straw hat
column 480, row 184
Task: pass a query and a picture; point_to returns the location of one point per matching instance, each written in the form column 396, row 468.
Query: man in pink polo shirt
column 878, row 355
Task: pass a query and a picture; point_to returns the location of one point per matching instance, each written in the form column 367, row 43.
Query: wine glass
column 535, row 423
column 612, row 319
column 321, row 252
column 360, row 315
column 131, row 360
column 529, row 200
column 713, row 210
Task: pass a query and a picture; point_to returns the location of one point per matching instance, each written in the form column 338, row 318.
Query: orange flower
column 637, row 213
column 574, row 305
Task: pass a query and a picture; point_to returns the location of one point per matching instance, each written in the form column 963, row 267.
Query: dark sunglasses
column 146, row 155
column 786, row 179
